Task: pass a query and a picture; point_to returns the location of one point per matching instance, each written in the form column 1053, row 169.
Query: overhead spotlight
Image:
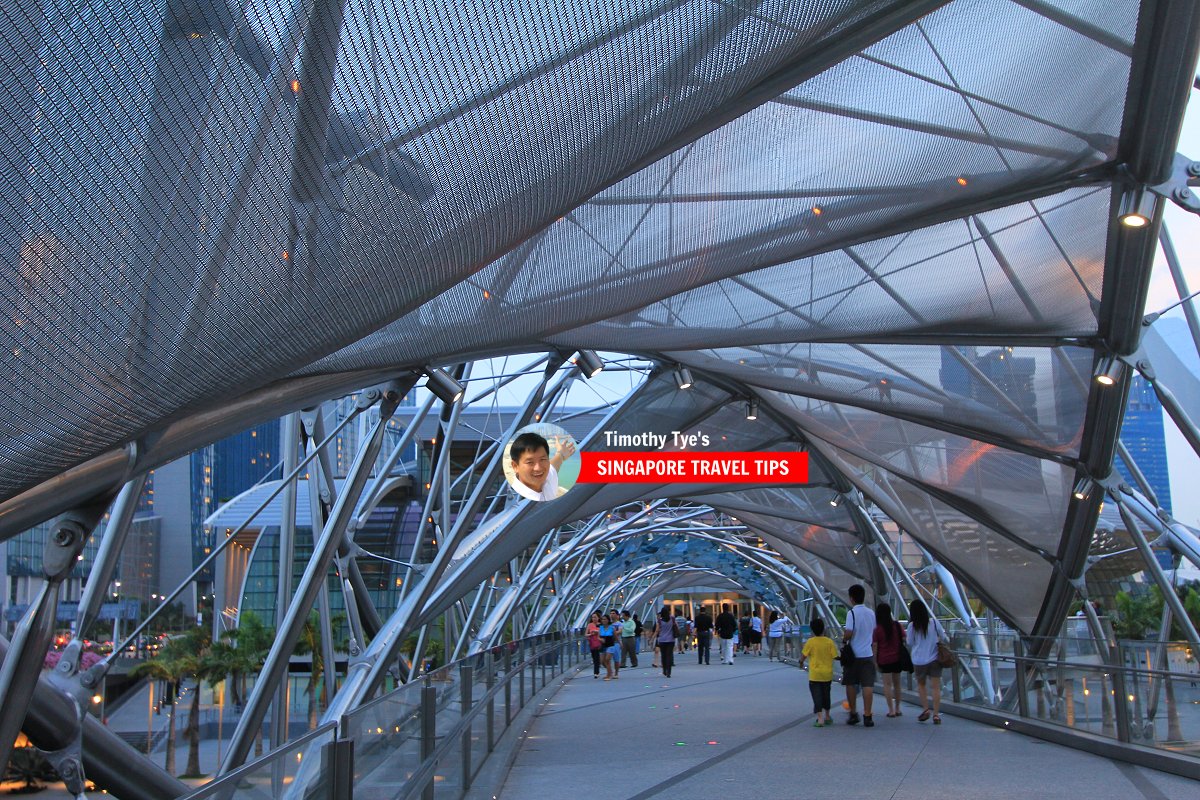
column 589, row 363
column 1083, row 487
column 683, row 378
column 752, row 408
column 835, row 501
column 1137, row 208
column 1109, row 370
column 445, row 387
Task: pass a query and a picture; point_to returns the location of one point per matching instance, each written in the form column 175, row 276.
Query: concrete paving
column 745, row 731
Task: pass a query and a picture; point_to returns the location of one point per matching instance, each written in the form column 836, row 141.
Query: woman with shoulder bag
column 924, row 633
column 888, row 641
column 592, row 632
column 665, row 633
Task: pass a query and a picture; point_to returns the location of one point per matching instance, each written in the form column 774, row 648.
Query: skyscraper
column 1142, row 433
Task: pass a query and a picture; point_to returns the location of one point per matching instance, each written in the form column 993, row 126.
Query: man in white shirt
column 859, row 632
column 535, row 470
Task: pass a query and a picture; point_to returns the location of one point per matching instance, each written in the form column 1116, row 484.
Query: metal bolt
column 1193, row 169
column 68, row 769
column 1183, row 193
column 64, row 537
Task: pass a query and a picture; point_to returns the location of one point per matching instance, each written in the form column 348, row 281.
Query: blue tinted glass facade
column 222, row 471
column 1142, row 433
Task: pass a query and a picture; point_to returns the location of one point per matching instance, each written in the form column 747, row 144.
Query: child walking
column 821, row 649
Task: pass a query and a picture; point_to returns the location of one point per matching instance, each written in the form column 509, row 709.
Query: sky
column 1184, row 227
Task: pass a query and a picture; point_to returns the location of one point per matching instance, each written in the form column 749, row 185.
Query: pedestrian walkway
column 746, row 732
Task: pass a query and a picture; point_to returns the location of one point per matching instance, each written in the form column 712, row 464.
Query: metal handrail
column 1056, row 662
column 423, row 774
column 231, row 779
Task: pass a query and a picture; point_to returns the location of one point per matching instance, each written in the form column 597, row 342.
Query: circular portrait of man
column 541, row 462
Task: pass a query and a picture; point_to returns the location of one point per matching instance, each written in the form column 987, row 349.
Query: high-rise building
column 1143, row 435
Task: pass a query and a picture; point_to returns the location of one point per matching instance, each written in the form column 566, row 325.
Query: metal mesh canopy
column 894, row 222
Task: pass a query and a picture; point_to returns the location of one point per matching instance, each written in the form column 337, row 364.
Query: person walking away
column 652, row 644
column 743, row 638
column 628, row 639
column 682, row 625
column 924, row 633
column 726, row 627
column 639, row 631
column 704, row 630
column 860, row 627
column 887, row 640
column 756, row 632
column 775, row 630
column 820, row 651
column 592, row 633
column 608, row 637
column 665, row 634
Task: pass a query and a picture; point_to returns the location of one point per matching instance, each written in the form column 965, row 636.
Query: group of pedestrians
column 612, row 639
column 878, row 643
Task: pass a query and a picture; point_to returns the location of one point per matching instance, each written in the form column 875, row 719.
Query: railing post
column 466, row 679
column 955, row 684
column 507, row 687
column 521, row 685
column 1021, row 678
column 490, row 681
column 428, row 731
column 338, row 758
column 1120, row 704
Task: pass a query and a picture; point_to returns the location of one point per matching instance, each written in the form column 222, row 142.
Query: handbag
column 945, row 656
column 906, row 664
column 847, row 657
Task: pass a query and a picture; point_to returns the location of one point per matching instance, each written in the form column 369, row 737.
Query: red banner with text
column 694, row 467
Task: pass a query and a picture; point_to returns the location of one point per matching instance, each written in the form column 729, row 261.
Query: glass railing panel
column 387, row 740
column 271, row 776
column 1164, row 710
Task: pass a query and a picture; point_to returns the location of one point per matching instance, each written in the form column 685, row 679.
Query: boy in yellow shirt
column 822, row 651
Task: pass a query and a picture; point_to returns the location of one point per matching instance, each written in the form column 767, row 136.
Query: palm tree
column 192, row 650
column 169, row 668
column 310, row 643
column 250, row 642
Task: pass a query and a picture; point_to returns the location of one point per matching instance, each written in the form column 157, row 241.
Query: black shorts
column 890, row 669
column 860, row 673
column 755, row 637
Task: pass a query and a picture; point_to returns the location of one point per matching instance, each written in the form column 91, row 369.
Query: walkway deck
column 745, row 731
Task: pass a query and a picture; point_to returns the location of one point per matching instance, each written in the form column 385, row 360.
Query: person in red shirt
column 886, row 641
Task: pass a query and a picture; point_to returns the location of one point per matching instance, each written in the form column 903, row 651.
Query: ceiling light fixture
column 589, row 364
column 1083, row 487
column 1136, row 208
column 1109, row 370
column 447, row 389
column 683, row 378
